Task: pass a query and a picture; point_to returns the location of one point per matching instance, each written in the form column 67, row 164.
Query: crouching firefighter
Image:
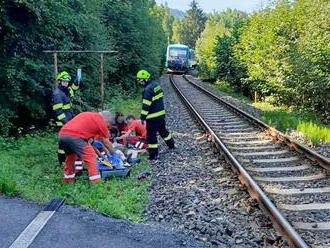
column 153, row 113
column 62, row 104
column 74, row 139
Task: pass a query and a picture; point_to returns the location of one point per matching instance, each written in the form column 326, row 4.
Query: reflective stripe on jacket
column 152, row 101
column 62, row 105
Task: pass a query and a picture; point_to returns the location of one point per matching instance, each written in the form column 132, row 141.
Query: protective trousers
column 78, row 149
column 155, row 126
column 60, row 152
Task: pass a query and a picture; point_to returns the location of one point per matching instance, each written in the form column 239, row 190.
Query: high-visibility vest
column 152, row 102
column 62, row 104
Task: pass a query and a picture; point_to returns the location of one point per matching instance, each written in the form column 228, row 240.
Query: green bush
column 30, row 26
column 7, row 186
column 208, row 51
column 282, row 52
column 285, row 49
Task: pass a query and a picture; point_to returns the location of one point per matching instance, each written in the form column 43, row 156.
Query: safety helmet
column 63, row 76
column 143, row 74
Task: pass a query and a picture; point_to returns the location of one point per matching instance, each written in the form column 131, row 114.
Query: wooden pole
column 255, row 97
column 102, row 81
column 55, row 68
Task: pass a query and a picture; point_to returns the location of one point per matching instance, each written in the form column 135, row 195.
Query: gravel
column 322, row 148
column 194, row 189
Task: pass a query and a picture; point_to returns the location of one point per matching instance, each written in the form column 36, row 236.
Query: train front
column 177, row 58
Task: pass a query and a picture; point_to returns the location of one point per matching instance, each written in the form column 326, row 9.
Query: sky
column 218, row 5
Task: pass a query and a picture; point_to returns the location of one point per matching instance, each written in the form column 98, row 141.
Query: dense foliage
column 218, row 25
column 282, row 52
column 188, row 30
column 29, row 27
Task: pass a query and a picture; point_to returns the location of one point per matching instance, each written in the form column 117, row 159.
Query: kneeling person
column 73, row 139
column 140, row 138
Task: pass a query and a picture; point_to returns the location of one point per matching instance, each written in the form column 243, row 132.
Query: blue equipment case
column 107, row 172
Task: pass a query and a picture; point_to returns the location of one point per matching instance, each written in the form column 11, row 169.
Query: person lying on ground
column 101, row 150
column 74, row 137
column 134, row 125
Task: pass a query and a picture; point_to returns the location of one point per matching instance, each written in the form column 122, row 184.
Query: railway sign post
column 56, row 52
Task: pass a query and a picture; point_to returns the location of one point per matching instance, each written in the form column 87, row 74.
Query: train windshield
column 178, row 53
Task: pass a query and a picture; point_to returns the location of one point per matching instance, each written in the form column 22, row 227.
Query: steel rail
column 323, row 161
column 280, row 223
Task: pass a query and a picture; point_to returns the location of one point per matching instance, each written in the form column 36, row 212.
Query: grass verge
column 29, row 168
column 284, row 118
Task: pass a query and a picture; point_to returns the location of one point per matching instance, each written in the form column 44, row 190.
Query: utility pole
column 102, row 80
column 56, row 52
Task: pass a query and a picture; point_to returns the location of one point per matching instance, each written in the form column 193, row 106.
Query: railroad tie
column 261, row 153
column 303, row 207
column 289, row 179
column 270, row 160
column 275, row 169
column 319, row 226
column 279, row 191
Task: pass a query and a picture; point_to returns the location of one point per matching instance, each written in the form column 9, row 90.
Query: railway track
column 289, row 181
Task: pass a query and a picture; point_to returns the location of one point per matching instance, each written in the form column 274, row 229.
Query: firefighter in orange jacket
column 153, row 113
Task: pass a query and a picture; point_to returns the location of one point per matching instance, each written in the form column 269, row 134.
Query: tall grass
column 29, row 168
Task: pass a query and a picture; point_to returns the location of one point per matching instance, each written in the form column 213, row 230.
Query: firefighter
column 153, row 113
column 75, row 139
column 62, row 104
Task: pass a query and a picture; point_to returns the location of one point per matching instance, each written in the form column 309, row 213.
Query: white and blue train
column 177, row 58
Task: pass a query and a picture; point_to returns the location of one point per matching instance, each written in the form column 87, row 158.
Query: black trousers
column 155, row 126
column 60, row 152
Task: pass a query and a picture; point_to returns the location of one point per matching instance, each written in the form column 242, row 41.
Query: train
column 179, row 58
column 192, row 60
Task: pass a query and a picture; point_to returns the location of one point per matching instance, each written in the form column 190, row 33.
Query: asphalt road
column 75, row 227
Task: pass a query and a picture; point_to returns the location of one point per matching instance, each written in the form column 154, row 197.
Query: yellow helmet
column 63, row 76
column 143, row 74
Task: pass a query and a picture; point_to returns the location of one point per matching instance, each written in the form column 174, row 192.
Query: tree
column 227, row 67
column 285, row 49
column 217, row 25
column 192, row 25
column 30, row 26
column 167, row 19
column 176, row 37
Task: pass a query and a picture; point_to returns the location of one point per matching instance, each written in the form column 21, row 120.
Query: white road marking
column 32, row 230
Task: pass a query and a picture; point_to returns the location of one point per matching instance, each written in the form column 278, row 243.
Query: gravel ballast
column 322, row 148
column 194, row 189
